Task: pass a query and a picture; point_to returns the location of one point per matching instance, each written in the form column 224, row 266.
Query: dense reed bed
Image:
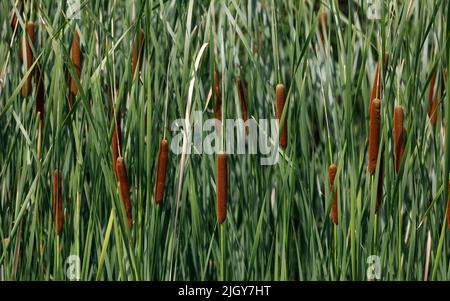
column 95, row 112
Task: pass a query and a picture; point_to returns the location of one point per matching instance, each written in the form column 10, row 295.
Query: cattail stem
column 76, row 61
column 40, row 93
column 374, row 134
column 380, row 183
column 39, row 141
column 40, row 99
column 217, row 102
column 124, row 189
column 161, row 170
column 448, row 205
column 116, row 139
column 377, row 86
column 222, row 186
column 29, row 37
column 280, row 102
column 332, row 169
column 242, row 99
column 138, row 54
column 399, row 143
column 57, row 201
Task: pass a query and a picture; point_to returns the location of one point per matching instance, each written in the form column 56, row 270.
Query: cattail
column 217, row 102
column 399, row 139
column 242, row 98
column 40, row 93
column 433, row 101
column 374, row 134
column 334, row 205
column 138, row 53
column 380, row 183
column 116, row 139
column 222, row 186
column 76, row 61
column 161, row 170
column 26, row 88
column 218, row 97
column 14, row 20
column 57, row 201
column 124, row 188
column 443, row 80
column 280, row 99
column 323, row 27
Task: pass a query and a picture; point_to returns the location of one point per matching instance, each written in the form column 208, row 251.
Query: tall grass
column 277, row 222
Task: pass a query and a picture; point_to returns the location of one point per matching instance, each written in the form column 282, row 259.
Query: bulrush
column 380, row 183
column 332, row 169
column 443, row 79
column 242, row 98
column 433, row 101
column 57, row 201
column 222, row 186
column 76, row 61
column 218, row 97
column 116, row 139
column 161, row 170
column 29, row 37
column 138, row 53
column 124, row 188
column 323, row 27
column 280, row 100
column 399, row 138
column 377, row 86
column 374, row 134
column 14, row 20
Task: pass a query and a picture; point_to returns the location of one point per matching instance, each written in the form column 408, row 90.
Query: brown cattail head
column 76, row 61
column 57, row 201
column 116, row 139
column 161, row 170
column 124, row 189
column 323, row 27
column 242, row 98
column 138, row 53
column 374, row 134
column 14, row 20
column 281, row 99
column 222, row 186
column 332, row 169
column 433, row 100
column 29, row 37
column 399, row 139
column 40, row 93
column 380, row 183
